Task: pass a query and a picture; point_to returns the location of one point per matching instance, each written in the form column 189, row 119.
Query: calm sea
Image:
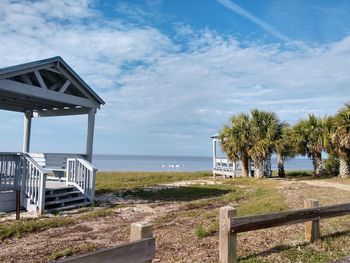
column 174, row 163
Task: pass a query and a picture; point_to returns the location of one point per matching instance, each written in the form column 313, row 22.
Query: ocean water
column 105, row 162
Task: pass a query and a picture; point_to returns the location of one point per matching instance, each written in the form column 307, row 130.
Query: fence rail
column 230, row 225
column 141, row 249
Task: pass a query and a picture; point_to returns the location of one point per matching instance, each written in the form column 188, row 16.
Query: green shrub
column 331, row 166
column 201, row 231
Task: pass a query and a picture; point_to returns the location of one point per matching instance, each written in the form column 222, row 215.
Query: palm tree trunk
column 343, row 168
column 258, row 169
column 318, row 165
column 244, row 163
column 280, row 164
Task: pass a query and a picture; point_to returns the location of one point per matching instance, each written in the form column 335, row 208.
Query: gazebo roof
column 48, row 87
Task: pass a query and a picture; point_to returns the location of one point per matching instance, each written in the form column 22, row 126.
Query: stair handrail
column 82, row 175
column 34, row 182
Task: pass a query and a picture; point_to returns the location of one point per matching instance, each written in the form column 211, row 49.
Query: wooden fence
column 230, row 225
column 140, row 249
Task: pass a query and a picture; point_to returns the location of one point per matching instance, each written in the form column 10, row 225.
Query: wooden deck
column 53, row 185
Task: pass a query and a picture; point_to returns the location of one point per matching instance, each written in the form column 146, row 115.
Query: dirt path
column 324, row 183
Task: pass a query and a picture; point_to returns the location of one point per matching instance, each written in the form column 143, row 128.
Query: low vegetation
column 116, row 181
column 18, row 228
column 71, row 250
column 190, row 217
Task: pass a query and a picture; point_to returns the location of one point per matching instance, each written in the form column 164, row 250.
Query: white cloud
column 264, row 25
column 162, row 96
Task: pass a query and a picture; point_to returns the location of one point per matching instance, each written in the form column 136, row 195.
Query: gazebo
column 222, row 165
column 47, row 88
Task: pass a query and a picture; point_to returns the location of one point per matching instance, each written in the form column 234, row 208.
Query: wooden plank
column 227, row 240
column 40, row 79
column 312, row 229
column 54, row 70
column 61, row 112
column 45, row 94
column 135, row 251
column 249, row 223
column 65, row 86
column 141, row 230
column 25, row 70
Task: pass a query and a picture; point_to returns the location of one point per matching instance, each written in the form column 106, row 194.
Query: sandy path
column 323, row 183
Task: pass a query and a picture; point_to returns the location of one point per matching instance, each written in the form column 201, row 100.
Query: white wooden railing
column 82, row 175
column 18, row 171
column 9, row 171
column 34, row 182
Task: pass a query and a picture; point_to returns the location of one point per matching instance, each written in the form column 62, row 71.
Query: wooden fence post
column 227, row 241
column 141, row 230
column 312, row 229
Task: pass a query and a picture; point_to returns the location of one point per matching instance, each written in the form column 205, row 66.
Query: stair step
column 70, row 207
column 62, row 194
column 60, row 190
column 65, row 200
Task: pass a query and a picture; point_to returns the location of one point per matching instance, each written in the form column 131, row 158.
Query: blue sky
column 172, row 72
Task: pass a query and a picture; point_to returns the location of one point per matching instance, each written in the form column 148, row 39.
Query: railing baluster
column 5, row 173
column 81, row 174
column 1, row 165
column 31, row 180
column 35, row 185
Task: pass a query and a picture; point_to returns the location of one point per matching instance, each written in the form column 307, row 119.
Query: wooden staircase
column 39, row 190
column 64, row 198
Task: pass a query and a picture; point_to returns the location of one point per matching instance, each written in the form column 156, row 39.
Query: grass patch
column 23, row 226
column 98, row 213
column 18, row 228
column 262, row 200
column 69, row 251
column 102, row 212
column 201, row 231
column 115, row 181
column 182, row 193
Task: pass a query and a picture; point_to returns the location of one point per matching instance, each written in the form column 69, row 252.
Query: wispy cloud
column 264, row 25
column 172, row 98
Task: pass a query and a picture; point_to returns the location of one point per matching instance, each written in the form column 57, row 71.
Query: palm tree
column 341, row 139
column 235, row 140
column 283, row 146
column 308, row 137
column 264, row 131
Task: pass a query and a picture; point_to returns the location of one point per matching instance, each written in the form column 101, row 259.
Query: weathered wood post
column 312, row 229
column 141, row 230
column 227, row 241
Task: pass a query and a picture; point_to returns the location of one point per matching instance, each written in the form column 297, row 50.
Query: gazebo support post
column 90, row 134
column 26, row 131
column 214, row 155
